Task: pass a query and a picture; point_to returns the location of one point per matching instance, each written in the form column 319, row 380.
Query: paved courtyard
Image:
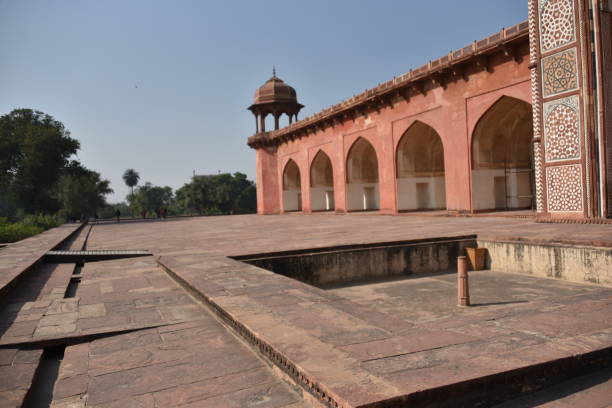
column 191, row 327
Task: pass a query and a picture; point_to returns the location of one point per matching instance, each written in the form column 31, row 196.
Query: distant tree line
column 222, row 193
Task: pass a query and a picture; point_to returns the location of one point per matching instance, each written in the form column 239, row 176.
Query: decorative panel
column 557, row 26
column 559, row 73
column 564, row 188
column 562, row 129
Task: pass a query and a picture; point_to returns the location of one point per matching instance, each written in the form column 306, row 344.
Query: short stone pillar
column 463, row 290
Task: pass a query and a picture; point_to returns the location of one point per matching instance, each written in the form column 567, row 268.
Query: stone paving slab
column 17, row 369
column 42, row 293
column 18, row 257
column 112, row 296
column 194, row 364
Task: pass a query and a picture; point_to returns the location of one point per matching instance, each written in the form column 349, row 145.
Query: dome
column 274, row 98
column 275, row 90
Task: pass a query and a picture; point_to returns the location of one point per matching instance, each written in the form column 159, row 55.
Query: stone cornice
column 437, row 72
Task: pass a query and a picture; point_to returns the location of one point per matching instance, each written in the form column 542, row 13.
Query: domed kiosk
column 274, row 98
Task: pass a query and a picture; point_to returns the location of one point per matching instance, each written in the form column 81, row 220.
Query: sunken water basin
column 323, row 267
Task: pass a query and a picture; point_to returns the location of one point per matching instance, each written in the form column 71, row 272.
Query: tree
column 151, row 198
column 131, row 177
column 220, row 193
column 81, row 192
column 34, row 149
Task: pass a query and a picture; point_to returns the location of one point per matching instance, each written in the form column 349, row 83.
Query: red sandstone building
column 519, row 120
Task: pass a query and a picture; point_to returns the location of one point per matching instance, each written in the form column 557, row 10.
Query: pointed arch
column 420, row 169
column 321, row 183
column 502, row 158
column 321, row 171
column 292, row 187
column 362, row 177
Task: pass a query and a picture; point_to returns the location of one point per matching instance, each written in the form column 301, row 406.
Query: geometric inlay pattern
column 559, row 73
column 556, row 23
column 564, row 188
column 561, row 129
column 537, row 158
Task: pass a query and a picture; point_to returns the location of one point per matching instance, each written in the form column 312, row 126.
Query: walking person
column 118, row 214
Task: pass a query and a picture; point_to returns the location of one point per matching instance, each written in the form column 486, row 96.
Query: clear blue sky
column 163, row 86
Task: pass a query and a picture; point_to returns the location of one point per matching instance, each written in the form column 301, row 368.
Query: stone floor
column 136, row 337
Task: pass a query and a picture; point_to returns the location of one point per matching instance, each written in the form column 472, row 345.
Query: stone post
column 463, row 291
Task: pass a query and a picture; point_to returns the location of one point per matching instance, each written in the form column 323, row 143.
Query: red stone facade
column 500, row 124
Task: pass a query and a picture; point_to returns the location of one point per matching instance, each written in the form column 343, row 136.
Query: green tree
column 197, row 196
column 220, row 193
column 34, row 149
column 81, row 192
column 151, row 198
column 131, row 177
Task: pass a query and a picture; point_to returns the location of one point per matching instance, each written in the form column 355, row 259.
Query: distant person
column 96, row 217
column 143, row 214
column 118, row 214
column 157, row 213
column 164, row 212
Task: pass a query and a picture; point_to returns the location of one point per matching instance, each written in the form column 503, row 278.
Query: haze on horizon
column 163, row 86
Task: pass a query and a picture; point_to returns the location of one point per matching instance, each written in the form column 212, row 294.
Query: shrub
column 28, row 226
column 17, row 232
column 43, row 221
column 40, row 220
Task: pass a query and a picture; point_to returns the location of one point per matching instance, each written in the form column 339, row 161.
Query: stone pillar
column 268, row 193
column 386, row 170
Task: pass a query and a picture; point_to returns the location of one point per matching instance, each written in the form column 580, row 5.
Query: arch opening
column 292, row 187
column 362, row 177
column 321, row 183
column 420, row 170
column 502, row 157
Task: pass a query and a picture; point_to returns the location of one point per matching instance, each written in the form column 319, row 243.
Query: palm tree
column 131, row 177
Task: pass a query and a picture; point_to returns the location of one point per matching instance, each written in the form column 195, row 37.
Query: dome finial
column 273, row 71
